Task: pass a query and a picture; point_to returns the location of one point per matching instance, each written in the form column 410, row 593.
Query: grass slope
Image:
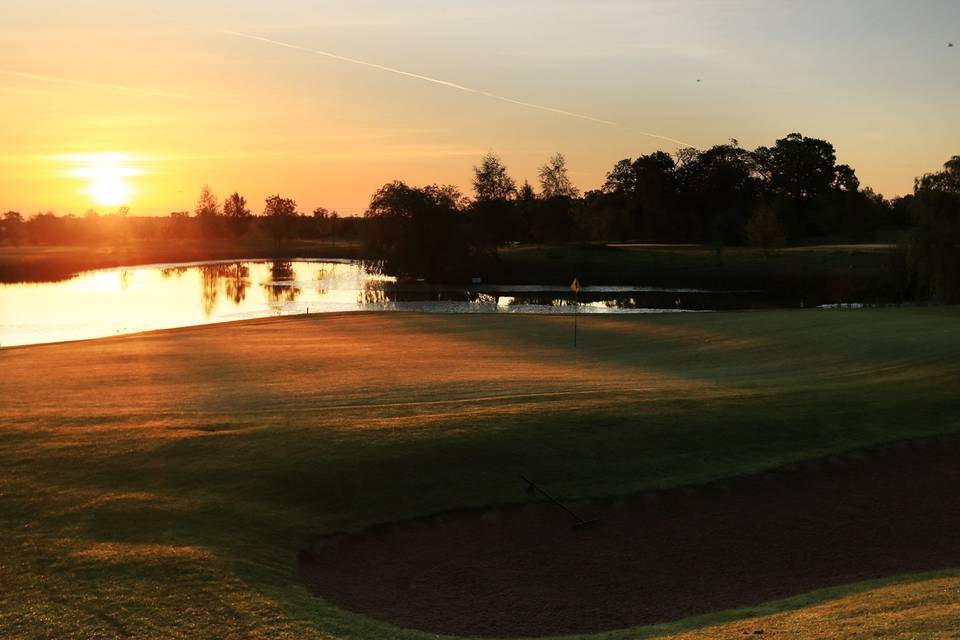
column 160, row 485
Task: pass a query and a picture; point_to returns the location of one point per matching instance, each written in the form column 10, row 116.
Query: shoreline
column 33, row 264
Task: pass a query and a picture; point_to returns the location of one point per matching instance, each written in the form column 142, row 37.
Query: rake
column 533, row 487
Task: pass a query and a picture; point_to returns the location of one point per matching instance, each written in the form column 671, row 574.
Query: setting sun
column 110, row 191
column 107, row 175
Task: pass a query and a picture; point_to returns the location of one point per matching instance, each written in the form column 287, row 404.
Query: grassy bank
column 51, row 263
column 815, row 274
column 161, row 485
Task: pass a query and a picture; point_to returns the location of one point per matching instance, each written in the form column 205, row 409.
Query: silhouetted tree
column 764, row 229
column 622, row 178
column 605, row 216
column 802, row 170
column 551, row 218
column 47, row 228
column 933, row 248
column 640, row 198
column 718, row 192
column 493, row 209
column 491, row 181
column 238, row 216
column 525, row 207
column 722, row 195
column 12, row 228
column 421, row 231
column 946, row 181
column 845, row 179
column 208, row 213
column 799, row 167
column 324, row 223
column 526, row 192
column 279, row 217
column 179, row 225
column 901, row 211
column 554, row 179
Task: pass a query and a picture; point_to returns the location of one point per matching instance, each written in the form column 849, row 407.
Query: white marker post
column 575, row 287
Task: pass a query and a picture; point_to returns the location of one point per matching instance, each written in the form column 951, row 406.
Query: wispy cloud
column 453, row 85
column 94, row 85
column 25, row 91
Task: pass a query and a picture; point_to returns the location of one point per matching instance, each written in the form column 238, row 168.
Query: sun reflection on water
column 118, row 301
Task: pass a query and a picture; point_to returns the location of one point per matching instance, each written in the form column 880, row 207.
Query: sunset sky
column 107, row 102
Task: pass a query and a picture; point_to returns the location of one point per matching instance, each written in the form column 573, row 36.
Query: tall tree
column 206, row 203
column 526, row 192
column 208, row 212
column 238, row 216
column 493, row 210
column 947, row 181
column 421, row 231
column 718, row 192
column 639, row 196
column 799, row 167
column 933, row 249
column 621, row 179
column 11, row 225
column 554, row 179
column 491, row 180
column 845, row 179
column 324, row 222
column 279, row 217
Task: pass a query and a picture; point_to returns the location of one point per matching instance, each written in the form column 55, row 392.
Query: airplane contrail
column 95, row 85
column 453, row 85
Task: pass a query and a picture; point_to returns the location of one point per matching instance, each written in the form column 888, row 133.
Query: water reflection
column 111, row 301
column 373, row 293
column 324, row 275
column 125, row 277
column 169, row 272
column 282, row 286
column 237, row 281
column 233, row 279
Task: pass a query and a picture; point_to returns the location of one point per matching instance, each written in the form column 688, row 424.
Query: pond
column 117, row 301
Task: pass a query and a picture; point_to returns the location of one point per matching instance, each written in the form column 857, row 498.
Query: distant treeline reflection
column 230, row 283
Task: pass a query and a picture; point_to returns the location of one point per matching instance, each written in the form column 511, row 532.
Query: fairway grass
column 160, row 485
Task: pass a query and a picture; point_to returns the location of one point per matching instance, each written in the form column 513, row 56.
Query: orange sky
column 100, row 97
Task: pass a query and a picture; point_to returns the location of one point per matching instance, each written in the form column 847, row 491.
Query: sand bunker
column 654, row 557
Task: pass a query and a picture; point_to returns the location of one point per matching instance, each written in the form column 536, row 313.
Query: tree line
column 279, row 221
column 933, row 244
column 791, row 191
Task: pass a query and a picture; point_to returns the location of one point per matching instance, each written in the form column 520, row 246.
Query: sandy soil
column 654, row 557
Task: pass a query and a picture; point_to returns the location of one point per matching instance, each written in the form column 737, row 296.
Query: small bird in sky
column 949, row 44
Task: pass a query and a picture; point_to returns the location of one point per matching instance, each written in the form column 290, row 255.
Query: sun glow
column 107, row 174
column 110, row 190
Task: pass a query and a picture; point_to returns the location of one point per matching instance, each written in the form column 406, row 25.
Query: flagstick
column 576, row 312
column 575, row 287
